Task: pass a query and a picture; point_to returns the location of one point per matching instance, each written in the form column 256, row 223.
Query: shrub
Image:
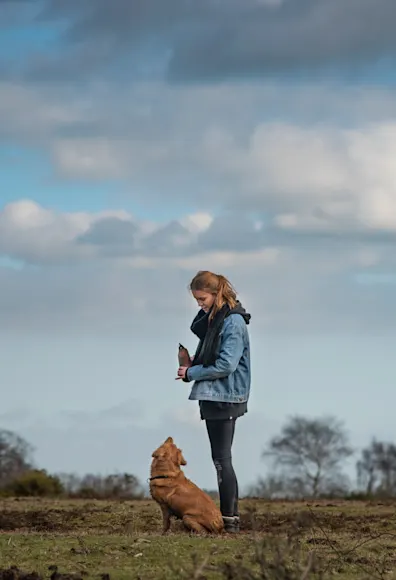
column 35, row 483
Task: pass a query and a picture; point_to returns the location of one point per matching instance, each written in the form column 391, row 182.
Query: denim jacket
column 228, row 380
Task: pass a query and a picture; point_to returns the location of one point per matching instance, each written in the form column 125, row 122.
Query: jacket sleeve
column 231, row 350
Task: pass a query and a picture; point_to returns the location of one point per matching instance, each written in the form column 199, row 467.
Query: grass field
column 123, row 539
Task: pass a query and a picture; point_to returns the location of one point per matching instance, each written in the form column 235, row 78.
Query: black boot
column 231, row 524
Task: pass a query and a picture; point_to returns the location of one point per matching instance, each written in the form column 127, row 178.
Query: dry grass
column 279, row 541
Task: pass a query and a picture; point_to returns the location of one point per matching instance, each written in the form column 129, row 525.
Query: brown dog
column 178, row 496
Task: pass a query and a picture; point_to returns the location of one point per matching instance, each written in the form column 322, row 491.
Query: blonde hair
column 216, row 284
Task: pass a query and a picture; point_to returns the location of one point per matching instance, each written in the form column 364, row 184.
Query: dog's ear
column 169, row 440
column 180, row 457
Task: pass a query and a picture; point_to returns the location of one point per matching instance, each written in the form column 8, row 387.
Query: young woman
column 220, row 370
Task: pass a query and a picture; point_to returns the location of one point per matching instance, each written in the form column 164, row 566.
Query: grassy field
column 279, row 540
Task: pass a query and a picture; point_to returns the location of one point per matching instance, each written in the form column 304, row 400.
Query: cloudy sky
column 143, row 140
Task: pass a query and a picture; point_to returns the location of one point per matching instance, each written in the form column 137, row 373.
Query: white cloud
column 104, row 272
column 156, row 130
column 344, row 173
column 93, row 158
column 35, row 234
column 38, row 235
column 321, row 195
column 31, row 114
column 315, row 177
column 327, row 161
column 197, row 222
column 295, row 290
column 218, row 261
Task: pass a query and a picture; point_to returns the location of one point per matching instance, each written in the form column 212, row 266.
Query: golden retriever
column 178, row 496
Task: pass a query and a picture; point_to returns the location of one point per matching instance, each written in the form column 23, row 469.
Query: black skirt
column 211, row 410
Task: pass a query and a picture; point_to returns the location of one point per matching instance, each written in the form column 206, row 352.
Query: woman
column 221, row 371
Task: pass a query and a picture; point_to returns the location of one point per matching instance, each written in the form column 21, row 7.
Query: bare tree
column 270, row 487
column 123, row 486
column 310, row 453
column 376, row 469
column 118, row 485
column 70, row 481
column 15, row 456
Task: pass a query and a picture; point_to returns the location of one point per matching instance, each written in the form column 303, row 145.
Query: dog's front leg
column 166, row 519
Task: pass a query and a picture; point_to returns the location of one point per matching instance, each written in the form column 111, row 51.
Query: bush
column 121, row 486
column 35, row 483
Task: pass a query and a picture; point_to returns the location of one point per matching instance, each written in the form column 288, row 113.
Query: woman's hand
column 181, row 373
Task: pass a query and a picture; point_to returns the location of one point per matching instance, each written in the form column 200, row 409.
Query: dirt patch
column 124, row 519
column 275, row 523
column 40, row 520
column 281, row 523
column 15, row 573
column 102, row 519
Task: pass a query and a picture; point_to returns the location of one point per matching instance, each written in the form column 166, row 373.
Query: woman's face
column 204, row 300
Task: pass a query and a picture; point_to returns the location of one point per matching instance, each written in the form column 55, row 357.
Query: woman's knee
column 225, row 471
column 222, row 457
column 223, row 464
column 219, row 471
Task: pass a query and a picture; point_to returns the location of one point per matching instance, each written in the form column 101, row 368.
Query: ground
column 342, row 539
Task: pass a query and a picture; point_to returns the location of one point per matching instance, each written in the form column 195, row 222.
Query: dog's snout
column 159, row 455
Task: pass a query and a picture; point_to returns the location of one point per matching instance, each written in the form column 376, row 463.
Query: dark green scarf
column 208, row 332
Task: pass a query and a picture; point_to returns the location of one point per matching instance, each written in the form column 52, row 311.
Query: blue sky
column 140, row 143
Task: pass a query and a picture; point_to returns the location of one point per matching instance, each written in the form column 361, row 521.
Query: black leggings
column 221, row 436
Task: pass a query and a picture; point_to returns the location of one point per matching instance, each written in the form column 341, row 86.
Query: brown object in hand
column 184, row 357
column 178, row 496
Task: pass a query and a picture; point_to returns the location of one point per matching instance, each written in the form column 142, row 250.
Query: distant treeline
column 305, row 460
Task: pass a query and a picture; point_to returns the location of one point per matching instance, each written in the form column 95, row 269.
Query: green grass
column 349, row 539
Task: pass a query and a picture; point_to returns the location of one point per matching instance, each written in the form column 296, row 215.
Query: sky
column 143, row 141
